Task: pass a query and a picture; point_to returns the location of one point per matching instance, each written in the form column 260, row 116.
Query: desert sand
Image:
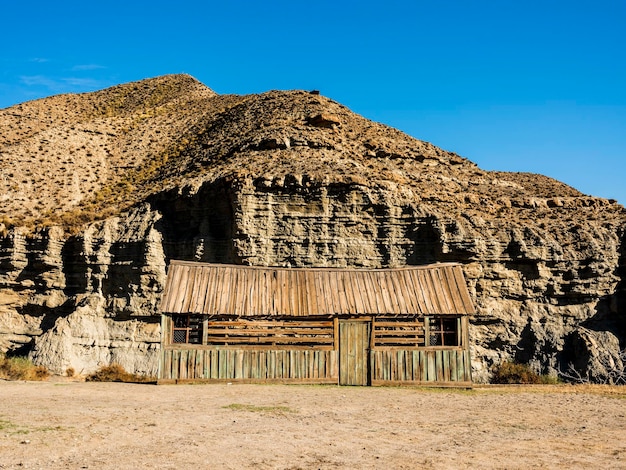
column 73, row 425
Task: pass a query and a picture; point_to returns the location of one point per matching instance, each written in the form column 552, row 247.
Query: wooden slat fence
column 441, row 366
column 214, row 364
column 388, row 366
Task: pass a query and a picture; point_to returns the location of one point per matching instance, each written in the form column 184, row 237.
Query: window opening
column 187, row 329
column 443, row 331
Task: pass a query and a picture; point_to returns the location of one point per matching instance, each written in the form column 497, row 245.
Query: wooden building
column 315, row 325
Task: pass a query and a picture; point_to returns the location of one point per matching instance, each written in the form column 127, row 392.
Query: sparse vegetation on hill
column 72, row 159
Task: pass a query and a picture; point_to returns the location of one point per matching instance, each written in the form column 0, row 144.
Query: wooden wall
column 213, row 364
column 389, row 351
column 449, row 366
column 430, row 366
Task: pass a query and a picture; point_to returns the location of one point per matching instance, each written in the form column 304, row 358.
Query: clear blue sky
column 536, row 86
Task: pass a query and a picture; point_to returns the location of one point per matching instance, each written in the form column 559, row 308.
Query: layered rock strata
column 294, row 179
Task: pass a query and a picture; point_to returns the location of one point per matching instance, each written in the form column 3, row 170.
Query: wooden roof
column 220, row 289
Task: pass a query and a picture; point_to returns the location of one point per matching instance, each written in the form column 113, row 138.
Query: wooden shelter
column 315, row 325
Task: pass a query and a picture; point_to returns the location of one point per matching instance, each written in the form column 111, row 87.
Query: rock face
column 285, row 179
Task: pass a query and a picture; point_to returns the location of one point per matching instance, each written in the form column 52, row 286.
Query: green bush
column 549, row 379
column 513, row 373
column 21, row 368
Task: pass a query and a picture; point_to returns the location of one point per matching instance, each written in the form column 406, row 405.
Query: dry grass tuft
column 116, row 373
column 513, row 373
column 260, row 409
column 21, row 368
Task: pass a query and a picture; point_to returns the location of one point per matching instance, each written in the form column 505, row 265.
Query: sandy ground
column 110, row 425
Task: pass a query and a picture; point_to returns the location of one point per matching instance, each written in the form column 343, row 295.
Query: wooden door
column 354, row 345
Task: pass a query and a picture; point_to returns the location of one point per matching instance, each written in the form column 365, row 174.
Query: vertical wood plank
column 296, row 367
column 174, row 365
column 271, row 368
column 199, row 364
column 439, row 365
column 408, row 364
column 467, row 366
column 211, row 369
column 238, row 364
column 386, row 364
column 280, row 364
column 253, row 364
column 263, row 364
column 423, row 366
column 445, row 359
column 183, row 363
column 193, row 362
column 221, row 364
column 453, row 365
column 229, row 364
column 164, row 372
column 431, row 371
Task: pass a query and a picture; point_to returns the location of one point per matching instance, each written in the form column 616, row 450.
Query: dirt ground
column 63, row 424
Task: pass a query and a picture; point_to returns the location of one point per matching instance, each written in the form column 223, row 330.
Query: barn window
column 187, row 329
column 443, row 331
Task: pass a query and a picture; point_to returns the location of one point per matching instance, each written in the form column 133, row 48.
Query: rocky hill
column 100, row 190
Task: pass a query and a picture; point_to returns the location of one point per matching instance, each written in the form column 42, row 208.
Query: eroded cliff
column 285, row 179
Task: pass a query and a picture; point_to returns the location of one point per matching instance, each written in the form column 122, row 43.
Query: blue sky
column 535, row 86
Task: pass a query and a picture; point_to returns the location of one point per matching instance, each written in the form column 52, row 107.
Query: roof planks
column 245, row 291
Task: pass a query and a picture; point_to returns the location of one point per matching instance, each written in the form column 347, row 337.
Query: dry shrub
column 513, row 373
column 21, row 368
column 116, row 373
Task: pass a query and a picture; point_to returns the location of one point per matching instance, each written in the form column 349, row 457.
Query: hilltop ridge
column 70, row 159
column 66, row 154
